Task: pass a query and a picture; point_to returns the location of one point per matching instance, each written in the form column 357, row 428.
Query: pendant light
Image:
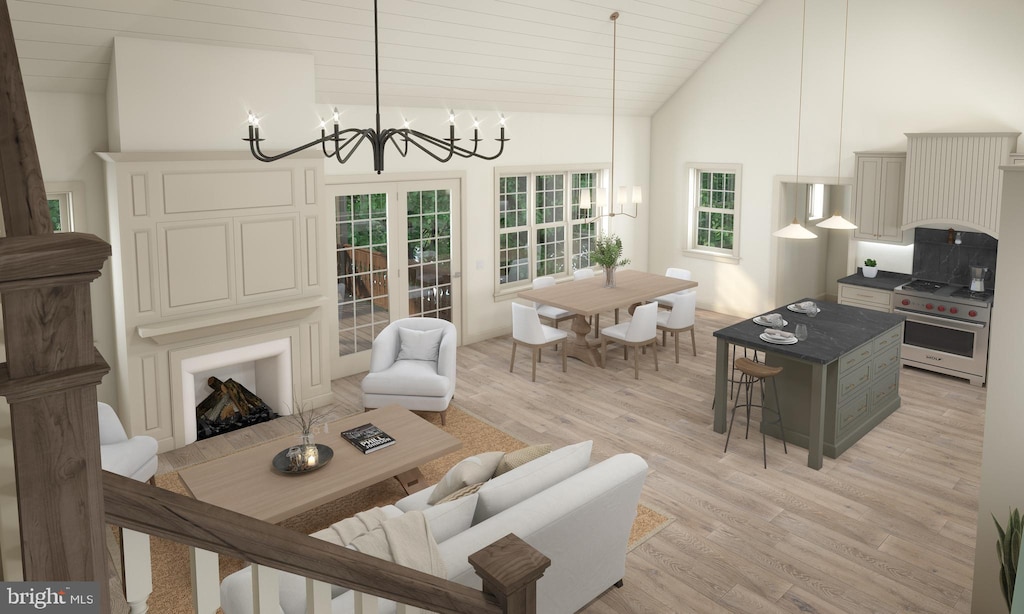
column 796, row 230
column 837, row 221
column 607, row 196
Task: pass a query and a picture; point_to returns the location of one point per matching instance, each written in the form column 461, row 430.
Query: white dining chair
column 666, row 300
column 638, row 333
column 554, row 315
column 527, row 330
column 679, row 320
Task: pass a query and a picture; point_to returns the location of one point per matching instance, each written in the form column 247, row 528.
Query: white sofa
column 578, row 516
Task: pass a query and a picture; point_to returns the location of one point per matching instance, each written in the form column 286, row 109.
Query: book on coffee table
column 368, row 438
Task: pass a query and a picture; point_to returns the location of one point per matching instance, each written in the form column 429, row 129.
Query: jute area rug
column 172, row 590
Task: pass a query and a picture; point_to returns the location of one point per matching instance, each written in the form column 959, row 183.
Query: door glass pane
column 429, row 241
column 362, row 257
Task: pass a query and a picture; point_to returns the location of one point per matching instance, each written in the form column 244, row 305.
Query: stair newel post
column 510, row 569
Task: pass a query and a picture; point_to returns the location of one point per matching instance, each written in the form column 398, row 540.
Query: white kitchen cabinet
column 878, row 196
column 868, row 298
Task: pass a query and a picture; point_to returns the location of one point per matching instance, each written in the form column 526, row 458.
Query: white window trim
column 72, row 195
column 692, row 249
column 509, row 291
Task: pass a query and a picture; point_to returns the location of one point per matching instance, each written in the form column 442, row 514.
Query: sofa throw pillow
column 519, row 457
column 472, row 470
column 465, row 491
column 419, row 344
column 449, row 518
column 508, row 489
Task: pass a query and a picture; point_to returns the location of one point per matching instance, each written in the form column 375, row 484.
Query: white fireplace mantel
column 181, row 329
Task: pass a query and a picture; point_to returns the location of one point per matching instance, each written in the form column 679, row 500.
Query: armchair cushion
column 407, row 377
column 419, row 344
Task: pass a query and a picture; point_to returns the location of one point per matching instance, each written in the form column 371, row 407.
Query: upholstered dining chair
column 638, row 333
column 412, row 364
column 666, row 300
column 679, row 320
column 527, row 330
column 554, row 315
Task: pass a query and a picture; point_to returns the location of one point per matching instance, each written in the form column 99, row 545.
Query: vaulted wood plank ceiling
column 502, row 55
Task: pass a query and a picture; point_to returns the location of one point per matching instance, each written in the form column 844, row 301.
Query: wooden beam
column 22, row 190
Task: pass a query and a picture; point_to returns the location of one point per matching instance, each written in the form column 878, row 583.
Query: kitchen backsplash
column 936, row 259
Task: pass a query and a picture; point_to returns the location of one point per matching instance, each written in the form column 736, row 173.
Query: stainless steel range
column 947, row 328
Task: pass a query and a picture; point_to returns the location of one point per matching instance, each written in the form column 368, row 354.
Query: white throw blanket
column 405, row 540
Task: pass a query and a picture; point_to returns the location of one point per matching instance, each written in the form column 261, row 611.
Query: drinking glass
column 813, row 311
column 801, row 331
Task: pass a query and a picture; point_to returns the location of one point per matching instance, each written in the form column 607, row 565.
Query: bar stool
column 751, row 373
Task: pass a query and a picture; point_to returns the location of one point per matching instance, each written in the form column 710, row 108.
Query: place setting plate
column 762, row 322
column 795, row 309
column 777, row 340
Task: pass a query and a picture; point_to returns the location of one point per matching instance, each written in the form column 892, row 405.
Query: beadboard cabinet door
column 878, row 197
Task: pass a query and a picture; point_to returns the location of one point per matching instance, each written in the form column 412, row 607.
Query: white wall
column 1002, row 482
column 912, row 66
column 68, row 128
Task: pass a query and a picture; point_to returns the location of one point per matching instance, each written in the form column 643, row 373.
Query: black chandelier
column 341, row 144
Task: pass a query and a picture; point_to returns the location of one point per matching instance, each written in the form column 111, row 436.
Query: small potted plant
column 870, row 268
column 607, row 252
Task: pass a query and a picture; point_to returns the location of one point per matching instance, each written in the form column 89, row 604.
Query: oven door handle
column 948, row 322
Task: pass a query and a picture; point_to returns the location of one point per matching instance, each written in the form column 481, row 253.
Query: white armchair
column 133, row 457
column 412, row 364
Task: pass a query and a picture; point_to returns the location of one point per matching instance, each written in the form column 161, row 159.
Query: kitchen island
column 836, row 385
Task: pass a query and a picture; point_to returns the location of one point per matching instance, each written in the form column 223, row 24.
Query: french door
column 397, row 252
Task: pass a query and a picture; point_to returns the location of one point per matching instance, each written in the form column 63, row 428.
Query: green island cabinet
column 861, row 389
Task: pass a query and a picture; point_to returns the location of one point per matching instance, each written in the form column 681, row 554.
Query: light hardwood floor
column 888, row 527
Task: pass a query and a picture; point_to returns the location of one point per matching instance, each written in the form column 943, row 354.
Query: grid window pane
column 715, row 204
column 361, row 256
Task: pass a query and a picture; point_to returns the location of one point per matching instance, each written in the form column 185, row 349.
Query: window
column 60, row 211
column 541, row 230
column 815, row 201
column 714, row 205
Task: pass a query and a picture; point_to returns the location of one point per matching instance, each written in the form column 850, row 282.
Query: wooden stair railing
column 509, row 568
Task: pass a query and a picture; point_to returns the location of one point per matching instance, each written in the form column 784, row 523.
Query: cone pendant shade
column 837, row 222
column 794, row 231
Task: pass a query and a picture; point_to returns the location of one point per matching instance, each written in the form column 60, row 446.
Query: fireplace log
column 229, row 407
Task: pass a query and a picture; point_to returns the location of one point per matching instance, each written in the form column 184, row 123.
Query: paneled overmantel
column 213, row 251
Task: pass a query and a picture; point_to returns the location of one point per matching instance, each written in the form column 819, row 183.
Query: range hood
column 954, row 179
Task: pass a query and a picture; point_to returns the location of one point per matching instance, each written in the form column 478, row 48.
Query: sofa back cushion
column 504, row 491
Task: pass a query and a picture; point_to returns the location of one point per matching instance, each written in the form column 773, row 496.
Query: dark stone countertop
column 885, row 280
column 836, row 330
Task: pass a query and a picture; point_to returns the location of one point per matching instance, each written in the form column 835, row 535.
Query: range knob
column 953, row 310
column 942, row 307
column 905, row 301
column 929, row 306
column 972, row 313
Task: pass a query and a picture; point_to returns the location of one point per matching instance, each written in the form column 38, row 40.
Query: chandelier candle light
column 603, row 196
column 341, row 144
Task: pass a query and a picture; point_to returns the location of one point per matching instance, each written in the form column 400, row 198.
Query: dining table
column 844, row 374
column 590, row 297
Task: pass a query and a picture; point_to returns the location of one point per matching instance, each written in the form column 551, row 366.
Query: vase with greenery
column 870, row 267
column 1008, row 549
column 607, row 252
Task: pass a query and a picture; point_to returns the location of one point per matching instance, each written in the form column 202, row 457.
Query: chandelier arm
column 335, row 137
column 449, row 146
column 461, row 151
column 392, row 134
column 352, row 143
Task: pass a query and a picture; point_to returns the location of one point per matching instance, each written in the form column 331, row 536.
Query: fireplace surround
column 220, row 264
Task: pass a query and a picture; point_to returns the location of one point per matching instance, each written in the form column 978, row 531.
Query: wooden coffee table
column 245, row 482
